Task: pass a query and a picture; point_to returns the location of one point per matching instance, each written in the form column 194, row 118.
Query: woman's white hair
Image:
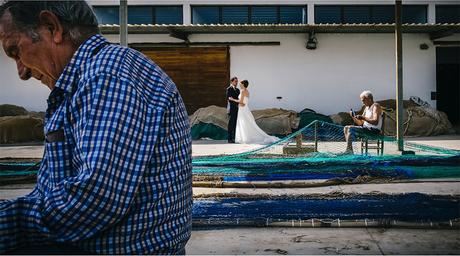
column 367, row 94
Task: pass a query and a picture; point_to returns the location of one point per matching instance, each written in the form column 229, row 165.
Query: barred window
column 244, row 14
column 368, row 14
column 140, row 14
column 447, row 13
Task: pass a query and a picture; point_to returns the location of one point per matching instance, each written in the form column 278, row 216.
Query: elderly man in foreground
column 116, row 173
column 370, row 122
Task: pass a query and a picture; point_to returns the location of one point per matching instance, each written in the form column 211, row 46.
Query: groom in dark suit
column 232, row 92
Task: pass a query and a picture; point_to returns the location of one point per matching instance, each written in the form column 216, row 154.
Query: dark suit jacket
column 233, row 93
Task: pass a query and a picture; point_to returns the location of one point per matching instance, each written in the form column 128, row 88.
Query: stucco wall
column 328, row 79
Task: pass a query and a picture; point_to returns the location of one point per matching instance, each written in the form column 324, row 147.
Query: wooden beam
column 447, row 43
column 442, row 33
column 179, row 34
column 184, row 44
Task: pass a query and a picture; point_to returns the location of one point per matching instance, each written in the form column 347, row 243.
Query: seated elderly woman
column 370, row 122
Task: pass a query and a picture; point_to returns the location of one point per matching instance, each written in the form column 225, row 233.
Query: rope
column 409, row 118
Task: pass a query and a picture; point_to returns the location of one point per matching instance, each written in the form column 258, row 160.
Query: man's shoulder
column 376, row 107
column 119, row 55
column 120, row 61
column 125, row 65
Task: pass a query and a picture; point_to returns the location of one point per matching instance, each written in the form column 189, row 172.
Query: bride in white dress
column 247, row 130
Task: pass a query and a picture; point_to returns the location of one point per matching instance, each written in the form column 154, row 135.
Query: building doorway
column 200, row 73
column 448, row 83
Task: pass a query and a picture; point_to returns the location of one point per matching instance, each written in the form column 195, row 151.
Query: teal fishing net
column 315, row 152
column 326, row 141
column 318, row 151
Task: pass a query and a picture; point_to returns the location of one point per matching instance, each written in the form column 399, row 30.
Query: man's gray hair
column 77, row 17
column 367, row 94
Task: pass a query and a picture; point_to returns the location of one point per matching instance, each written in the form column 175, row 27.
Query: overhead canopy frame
column 436, row 31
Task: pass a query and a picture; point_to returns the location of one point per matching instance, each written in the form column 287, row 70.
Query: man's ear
column 51, row 22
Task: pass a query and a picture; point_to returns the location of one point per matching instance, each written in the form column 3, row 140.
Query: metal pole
column 124, row 22
column 399, row 76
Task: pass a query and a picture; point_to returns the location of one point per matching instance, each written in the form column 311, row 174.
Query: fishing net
column 322, row 141
column 313, row 156
column 352, row 210
column 319, row 151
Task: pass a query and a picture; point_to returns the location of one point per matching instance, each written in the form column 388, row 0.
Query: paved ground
column 276, row 241
column 305, row 240
column 220, row 147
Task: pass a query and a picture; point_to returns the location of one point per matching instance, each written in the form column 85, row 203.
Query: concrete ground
column 220, row 147
column 275, row 240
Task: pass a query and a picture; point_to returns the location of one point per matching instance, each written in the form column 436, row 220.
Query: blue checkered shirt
column 119, row 179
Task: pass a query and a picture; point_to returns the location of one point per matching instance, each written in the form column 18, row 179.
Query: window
column 168, row 15
column 447, row 13
column 107, row 14
column 205, row 15
column 356, row 14
column 328, row 14
column 140, row 14
column 273, row 14
column 235, row 14
column 383, row 14
column 292, row 15
column 368, row 14
column 414, row 14
column 264, row 14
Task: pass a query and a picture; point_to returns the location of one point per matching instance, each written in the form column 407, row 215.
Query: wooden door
column 201, row 73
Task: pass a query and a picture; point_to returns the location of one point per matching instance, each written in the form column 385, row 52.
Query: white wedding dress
column 247, row 130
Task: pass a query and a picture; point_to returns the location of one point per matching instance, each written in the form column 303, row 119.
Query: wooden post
column 399, row 76
column 124, row 22
column 298, row 140
column 316, row 136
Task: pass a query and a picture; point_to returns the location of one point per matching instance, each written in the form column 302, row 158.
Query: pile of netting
column 317, row 153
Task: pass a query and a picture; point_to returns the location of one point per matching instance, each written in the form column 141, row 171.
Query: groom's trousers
column 232, row 124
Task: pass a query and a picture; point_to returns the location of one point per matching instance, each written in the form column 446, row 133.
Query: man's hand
column 360, row 117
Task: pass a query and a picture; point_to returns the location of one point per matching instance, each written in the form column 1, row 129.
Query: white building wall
column 328, row 79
